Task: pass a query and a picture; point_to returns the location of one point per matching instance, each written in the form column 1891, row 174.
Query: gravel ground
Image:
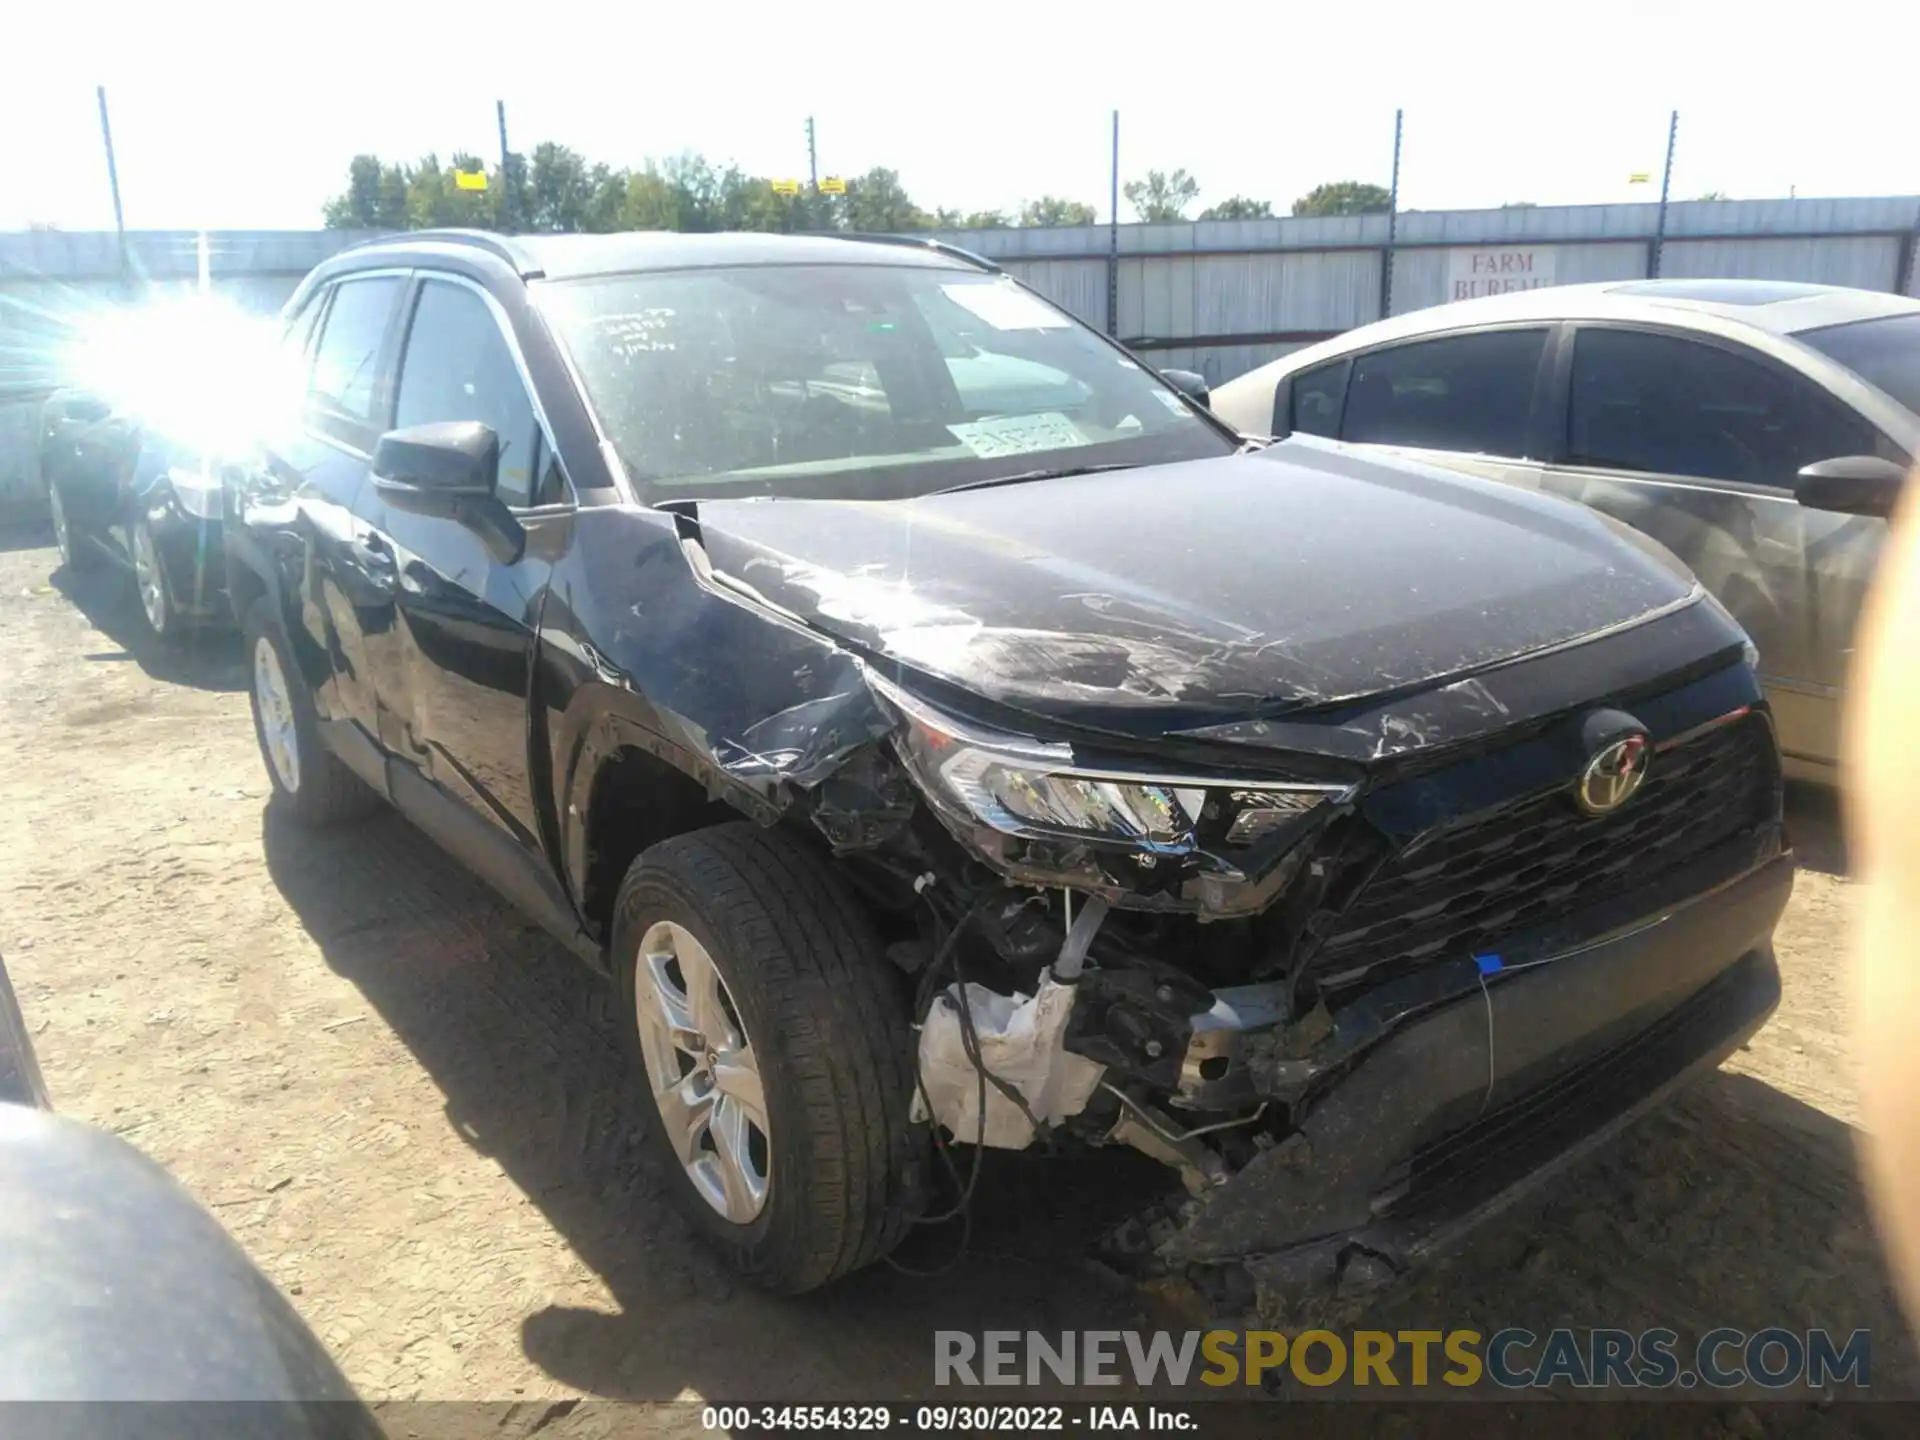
column 407, row 1104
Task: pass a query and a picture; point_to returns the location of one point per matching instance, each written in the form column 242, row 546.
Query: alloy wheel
column 274, row 706
column 703, row 1072
column 147, row 576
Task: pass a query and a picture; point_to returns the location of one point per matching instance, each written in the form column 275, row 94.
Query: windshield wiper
column 1063, row 473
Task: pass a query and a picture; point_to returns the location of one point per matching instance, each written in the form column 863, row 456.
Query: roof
column 560, row 257
column 1777, row 306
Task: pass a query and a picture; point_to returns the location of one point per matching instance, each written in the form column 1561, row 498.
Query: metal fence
column 1224, row 296
column 1219, row 297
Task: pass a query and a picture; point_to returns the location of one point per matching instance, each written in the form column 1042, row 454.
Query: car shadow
column 20, row 530
column 1816, row 824
column 516, row 1033
column 1737, row 1205
column 204, row 658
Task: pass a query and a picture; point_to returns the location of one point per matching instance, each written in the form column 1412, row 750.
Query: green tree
column 1051, row 210
column 985, row 220
column 1238, row 207
column 559, row 189
column 375, row 198
column 1163, row 196
column 1344, row 197
column 878, row 204
column 1714, row 195
column 1518, row 205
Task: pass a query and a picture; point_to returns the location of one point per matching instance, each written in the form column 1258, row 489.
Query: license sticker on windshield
column 1005, row 306
column 1018, row 434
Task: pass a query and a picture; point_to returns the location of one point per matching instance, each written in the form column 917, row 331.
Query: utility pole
column 507, row 206
column 813, row 160
column 1393, row 225
column 1113, row 236
column 113, row 181
column 1666, row 187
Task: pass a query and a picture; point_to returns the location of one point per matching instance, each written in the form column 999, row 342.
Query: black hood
column 1177, row 595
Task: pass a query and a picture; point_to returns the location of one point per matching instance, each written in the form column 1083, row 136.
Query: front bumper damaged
column 1467, row 1105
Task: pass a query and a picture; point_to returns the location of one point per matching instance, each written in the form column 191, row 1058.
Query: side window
column 1319, row 395
column 458, row 367
column 1677, row 407
column 346, row 362
column 1471, row 393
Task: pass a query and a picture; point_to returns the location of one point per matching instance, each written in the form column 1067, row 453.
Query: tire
column 317, row 788
column 150, row 582
column 76, row 549
column 811, row 991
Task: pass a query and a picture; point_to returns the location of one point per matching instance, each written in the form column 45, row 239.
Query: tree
column 986, row 220
column 1162, row 196
column 1238, row 207
column 1714, row 195
column 375, row 198
column 1051, row 210
column 1518, row 205
column 877, row 204
column 559, row 189
column 1344, row 197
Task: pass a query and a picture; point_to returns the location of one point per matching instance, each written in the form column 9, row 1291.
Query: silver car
column 1760, row 430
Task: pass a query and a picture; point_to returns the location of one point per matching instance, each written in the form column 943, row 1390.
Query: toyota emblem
column 1613, row 774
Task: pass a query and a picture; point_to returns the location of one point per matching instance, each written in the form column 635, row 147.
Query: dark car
column 117, row 1286
column 931, row 720
column 126, row 494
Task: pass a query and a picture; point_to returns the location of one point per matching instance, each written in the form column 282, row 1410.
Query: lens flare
column 196, row 369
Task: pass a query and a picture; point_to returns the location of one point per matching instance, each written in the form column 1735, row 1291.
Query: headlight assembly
column 1038, row 790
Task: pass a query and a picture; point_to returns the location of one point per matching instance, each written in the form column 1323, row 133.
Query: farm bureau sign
column 1496, row 270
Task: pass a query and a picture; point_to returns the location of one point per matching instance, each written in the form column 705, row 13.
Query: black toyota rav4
column 938, row 726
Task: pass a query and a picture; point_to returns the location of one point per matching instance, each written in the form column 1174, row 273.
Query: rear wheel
column 75, row 552
column 310, row 782
column 776, row 1052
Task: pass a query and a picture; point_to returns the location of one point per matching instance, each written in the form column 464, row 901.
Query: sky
column 245, row 115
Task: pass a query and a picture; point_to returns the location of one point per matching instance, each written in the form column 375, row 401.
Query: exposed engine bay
column 1201, row 979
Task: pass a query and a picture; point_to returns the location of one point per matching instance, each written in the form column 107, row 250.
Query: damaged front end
column 1353, row 1011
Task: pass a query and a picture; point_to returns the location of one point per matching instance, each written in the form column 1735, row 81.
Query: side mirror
column 450, row 469
column 437, row 465
column 1851, row 485
column 1193, row 386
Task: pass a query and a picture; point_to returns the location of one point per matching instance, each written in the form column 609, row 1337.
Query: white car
column 1760, row 430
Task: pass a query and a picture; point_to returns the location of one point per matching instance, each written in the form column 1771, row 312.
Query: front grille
column 1536, row 860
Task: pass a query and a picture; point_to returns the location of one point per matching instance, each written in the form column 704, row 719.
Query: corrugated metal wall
column 1223, row 296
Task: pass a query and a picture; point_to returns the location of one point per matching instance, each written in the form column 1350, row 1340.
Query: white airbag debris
column 1022, row 1040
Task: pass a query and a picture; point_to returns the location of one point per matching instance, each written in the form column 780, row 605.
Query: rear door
column 455, row 650
column 1696, row 442
column 301, row 505
column 1468, row 401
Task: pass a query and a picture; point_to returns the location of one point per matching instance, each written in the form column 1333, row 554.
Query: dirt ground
column 407, row 1104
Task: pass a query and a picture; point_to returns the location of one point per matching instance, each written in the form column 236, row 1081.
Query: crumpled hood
column 1172, row 595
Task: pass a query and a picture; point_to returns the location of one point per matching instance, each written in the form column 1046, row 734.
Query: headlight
column 1024, row 787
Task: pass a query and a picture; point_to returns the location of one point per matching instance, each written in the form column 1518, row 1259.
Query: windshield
column 855, row 382
column 1885, row 353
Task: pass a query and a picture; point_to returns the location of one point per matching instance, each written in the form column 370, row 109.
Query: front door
column 455, row 658
column 1697, row 444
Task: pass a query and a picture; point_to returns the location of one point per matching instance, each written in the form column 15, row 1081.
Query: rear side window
column 1319, row 395
column 1471, row 393
column 1668, row 406
column 458, row 367
column 346, row 363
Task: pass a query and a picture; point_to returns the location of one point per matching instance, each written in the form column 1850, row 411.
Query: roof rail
column 918, row 242
column 487, row 240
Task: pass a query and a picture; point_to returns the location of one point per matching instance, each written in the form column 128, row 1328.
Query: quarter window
column 346, row 363
column 1470, row 393
column 1660, row 404
column 1319, row 395
column 458, row 367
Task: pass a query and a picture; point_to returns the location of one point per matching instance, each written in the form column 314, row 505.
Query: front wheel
column 150, row 581
column 776, row 1052
column 310, row 783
